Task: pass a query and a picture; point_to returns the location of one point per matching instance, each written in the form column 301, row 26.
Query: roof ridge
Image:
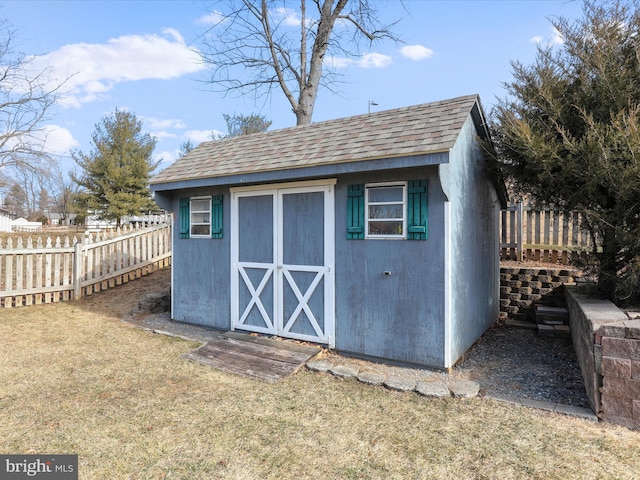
column 399, row 132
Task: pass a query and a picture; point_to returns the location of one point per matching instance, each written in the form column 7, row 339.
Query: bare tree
column 62, row 189
column 26, row 96
column 254, row 47
column 30, row 185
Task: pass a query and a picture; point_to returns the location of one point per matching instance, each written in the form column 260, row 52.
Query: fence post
column 519, row 232
column 77, row 269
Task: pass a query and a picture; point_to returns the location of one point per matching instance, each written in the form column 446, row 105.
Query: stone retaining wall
column 607, row 344
column 523, row 286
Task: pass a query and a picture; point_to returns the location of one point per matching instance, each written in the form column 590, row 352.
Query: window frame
column 403, row 204
column 196, row 224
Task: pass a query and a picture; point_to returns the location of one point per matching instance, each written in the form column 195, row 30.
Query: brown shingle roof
column 419, row 129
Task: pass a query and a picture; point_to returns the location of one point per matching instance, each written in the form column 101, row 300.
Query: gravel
column 517, row 362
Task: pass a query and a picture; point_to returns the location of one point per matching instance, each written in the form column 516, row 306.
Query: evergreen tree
column 569, row 134
column 185, row 148
column 115, row 173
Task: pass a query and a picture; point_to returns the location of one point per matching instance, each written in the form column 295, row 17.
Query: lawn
column 74, row 378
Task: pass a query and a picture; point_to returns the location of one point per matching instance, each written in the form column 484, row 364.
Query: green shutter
column 355, row 212
column 184, row 218
column 216, row 216
column 417, row 218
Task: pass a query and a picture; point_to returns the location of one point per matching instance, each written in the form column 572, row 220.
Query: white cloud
column 53, row 139
column 90, row 71
column 368, row 60
column 211, row 18
column 199, row 136
column 163, row 134
column 554, row 38
column 374, row 60
column 163, row 123
column 166, row 158
column 416, row 52
column 287, row 16
column 160, row 126
column 336, row 62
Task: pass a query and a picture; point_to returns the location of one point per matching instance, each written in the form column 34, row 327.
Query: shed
column 376, row 235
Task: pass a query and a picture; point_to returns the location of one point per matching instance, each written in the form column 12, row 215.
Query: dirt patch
column 124, row 299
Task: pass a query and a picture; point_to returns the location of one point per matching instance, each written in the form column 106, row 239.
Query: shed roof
column 415, row 130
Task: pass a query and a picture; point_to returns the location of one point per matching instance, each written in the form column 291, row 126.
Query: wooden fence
column 35, row 272
column 541, row 234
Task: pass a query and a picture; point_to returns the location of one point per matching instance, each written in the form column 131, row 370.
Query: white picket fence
column 54, row 270
column 541, row 234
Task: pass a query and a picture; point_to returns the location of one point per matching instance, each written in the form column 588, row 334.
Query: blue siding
column 201, row 269
column 398, row 316
column 474, row 243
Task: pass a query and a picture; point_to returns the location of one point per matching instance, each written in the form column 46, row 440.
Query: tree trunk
column 608, row 274
column 310, row 83
column 306, row 102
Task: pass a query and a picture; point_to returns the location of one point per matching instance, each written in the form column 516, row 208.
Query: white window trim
column 191, row 223
column 367, row 235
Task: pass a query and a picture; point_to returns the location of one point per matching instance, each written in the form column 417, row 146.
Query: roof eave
column 314, row 171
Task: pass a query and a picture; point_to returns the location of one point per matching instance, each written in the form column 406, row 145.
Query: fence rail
column 541, row 234
column 34, row 272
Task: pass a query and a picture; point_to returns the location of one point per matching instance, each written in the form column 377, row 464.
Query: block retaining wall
column 607, row 343
column 521, row 287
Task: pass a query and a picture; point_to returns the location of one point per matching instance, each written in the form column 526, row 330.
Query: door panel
column 303, row 303
column 303, row 228
column 282, row 262
column 256, row 297
column 253, row 277
column 256, row 229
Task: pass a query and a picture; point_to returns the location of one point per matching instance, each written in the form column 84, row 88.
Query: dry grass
column 76, row 379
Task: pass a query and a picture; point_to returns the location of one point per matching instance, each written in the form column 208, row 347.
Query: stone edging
column 570, row 410
column 435, row 388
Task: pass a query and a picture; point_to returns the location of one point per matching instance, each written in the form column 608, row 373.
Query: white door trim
column 276, row 186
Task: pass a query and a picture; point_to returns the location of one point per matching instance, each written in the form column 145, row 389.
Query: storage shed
column 375, row 234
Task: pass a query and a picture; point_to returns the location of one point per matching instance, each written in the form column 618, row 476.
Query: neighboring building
column 5, row 220
column 60, row 220
column 23, row 225
column 376, row 234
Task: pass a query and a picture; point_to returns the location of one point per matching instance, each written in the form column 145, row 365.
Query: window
column 385, row 210
column 388, row 210
column 200, row 217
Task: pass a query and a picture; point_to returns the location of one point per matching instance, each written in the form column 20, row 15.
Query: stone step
column 552, row 315
column 557, row 331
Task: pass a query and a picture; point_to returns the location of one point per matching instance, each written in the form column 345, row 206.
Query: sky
column 145, row 57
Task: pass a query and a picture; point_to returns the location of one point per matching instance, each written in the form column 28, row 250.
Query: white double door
column 282, row 260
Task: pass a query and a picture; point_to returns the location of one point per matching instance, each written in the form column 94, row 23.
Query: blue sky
column 143, row 56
